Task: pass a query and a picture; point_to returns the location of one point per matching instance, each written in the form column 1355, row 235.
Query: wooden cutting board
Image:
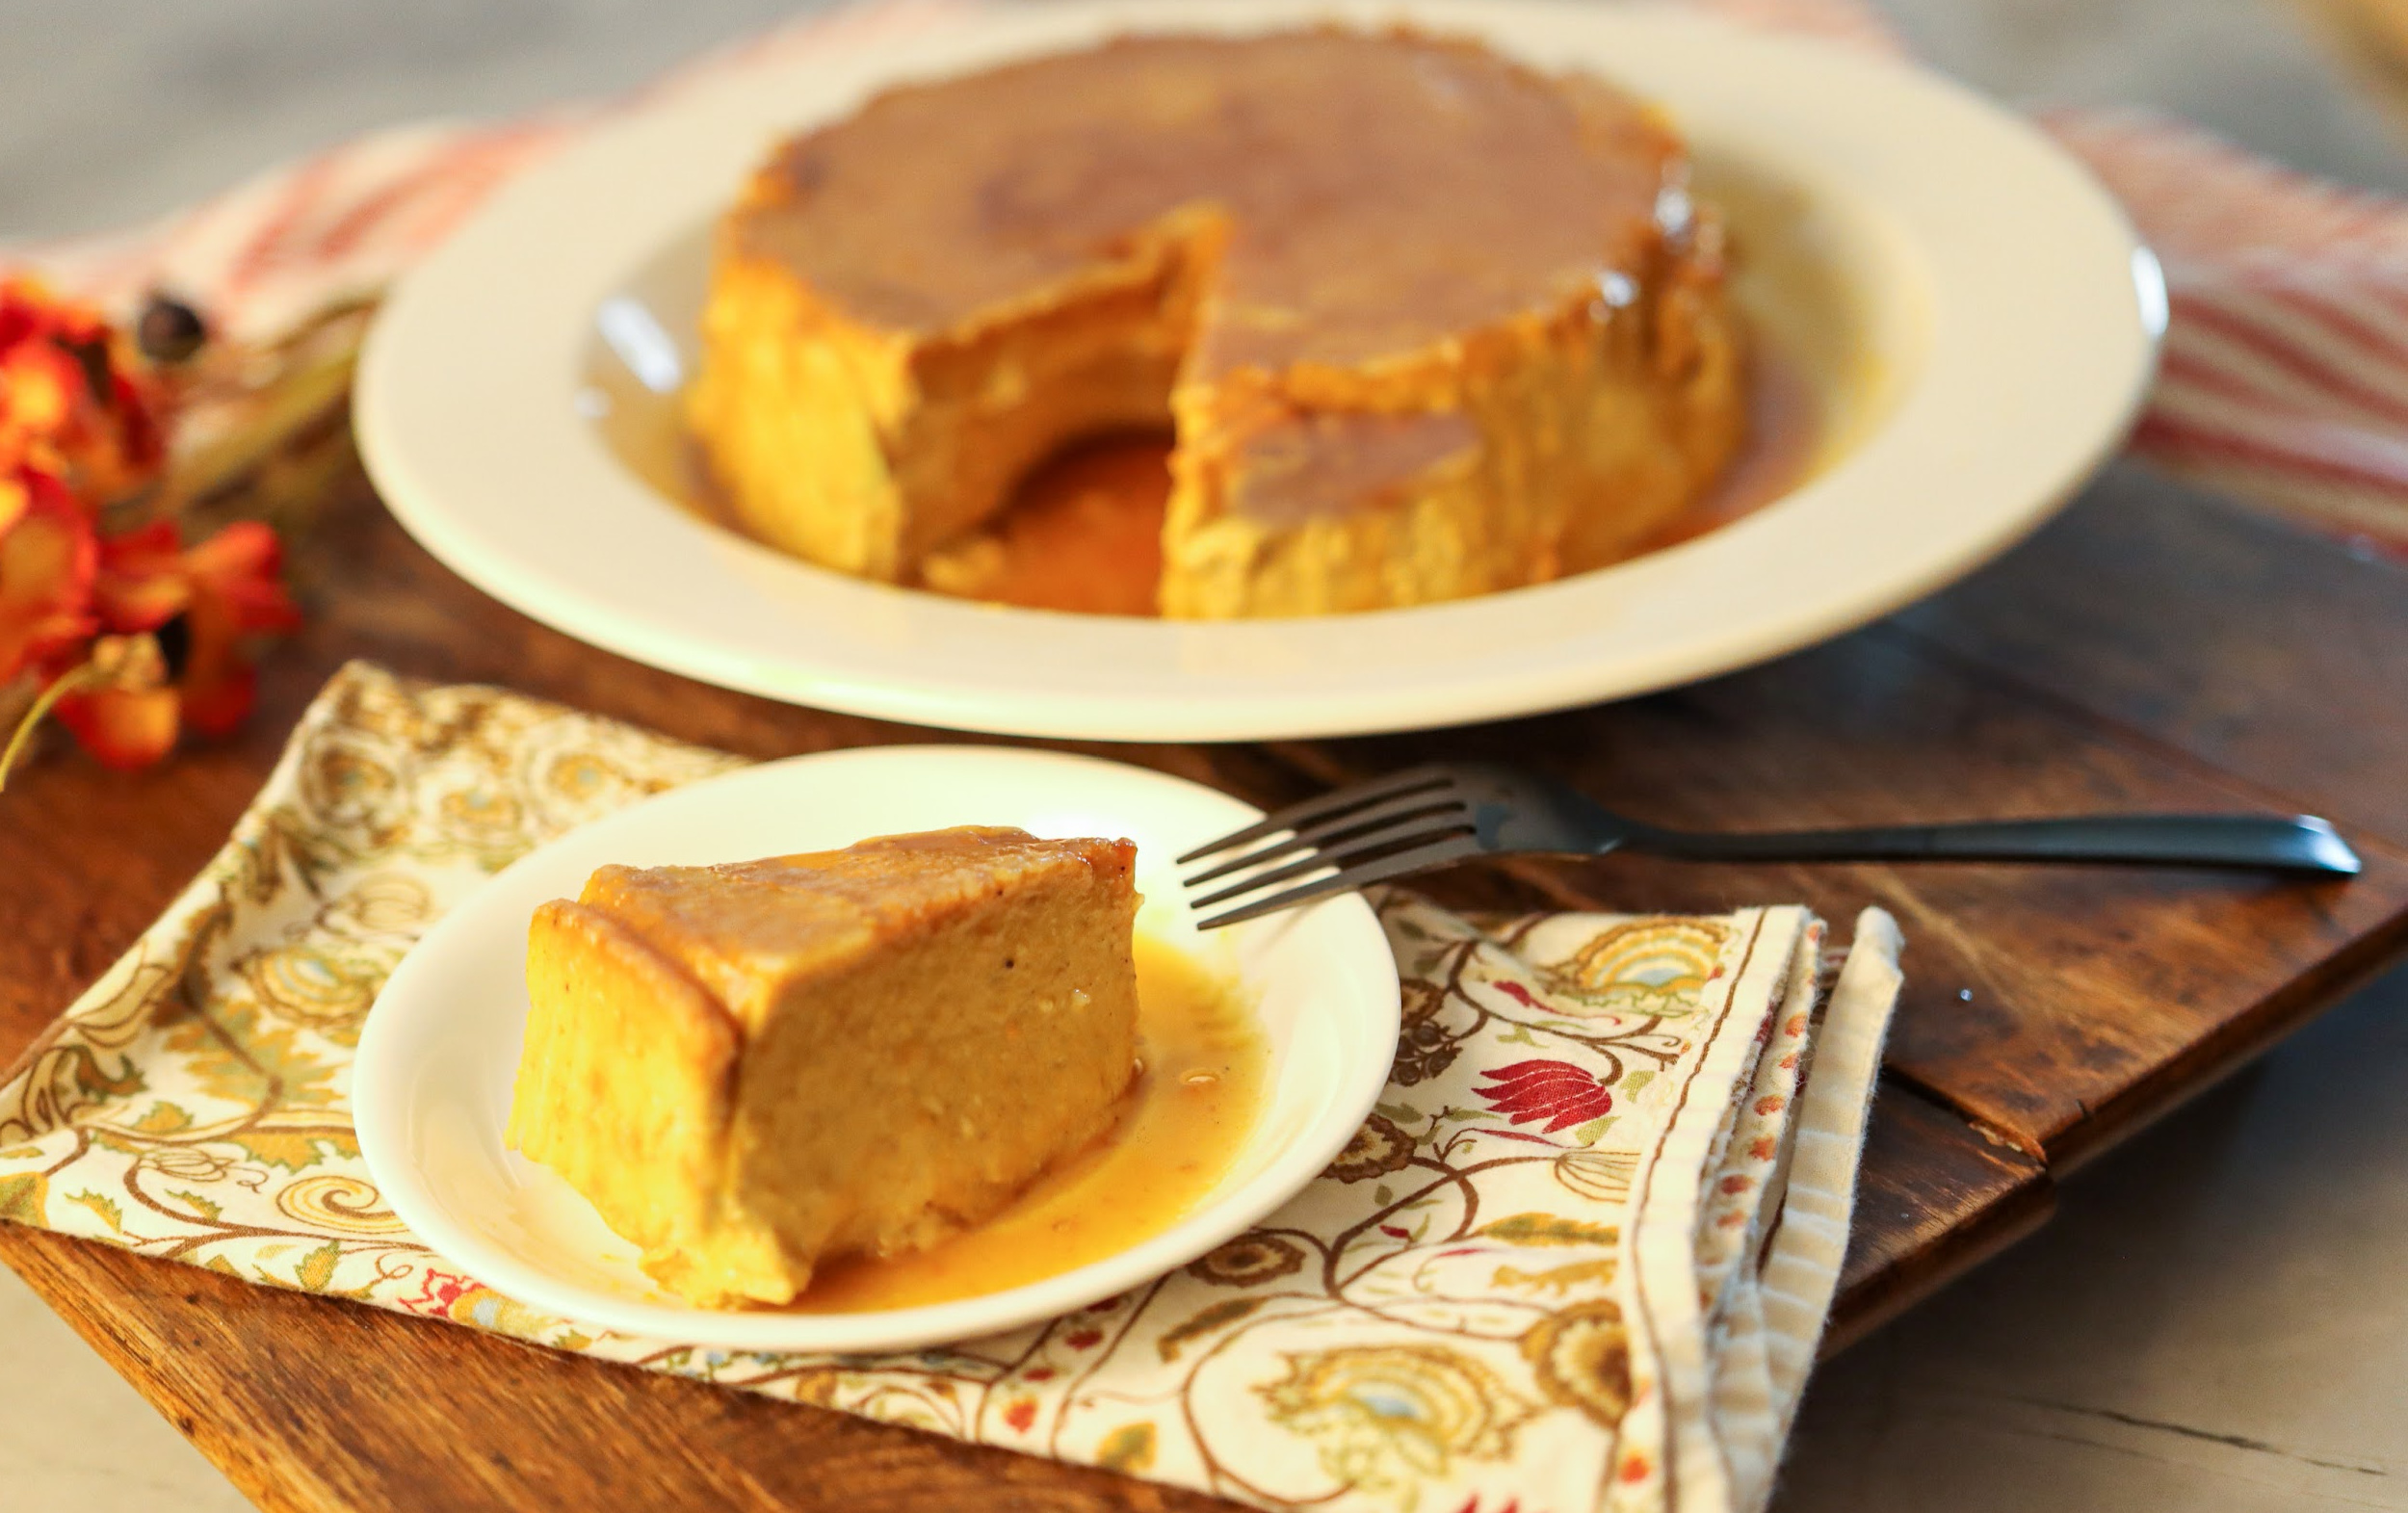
column 2151, row 650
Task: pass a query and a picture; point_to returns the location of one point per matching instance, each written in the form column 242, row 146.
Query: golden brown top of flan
column 740, row 927
column 1382, row 195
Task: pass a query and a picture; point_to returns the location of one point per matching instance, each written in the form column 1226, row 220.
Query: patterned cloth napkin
column 2286, row 371
column 1579, row 1259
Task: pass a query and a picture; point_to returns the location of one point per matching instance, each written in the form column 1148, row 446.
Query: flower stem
column 41, row 708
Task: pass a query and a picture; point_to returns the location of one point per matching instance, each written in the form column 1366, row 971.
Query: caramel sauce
column 1083, row 534
column 1204, row 1067
column 1785, row 435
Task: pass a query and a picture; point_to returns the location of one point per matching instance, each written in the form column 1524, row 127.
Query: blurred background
column 115, row 110
column 2217, row 1321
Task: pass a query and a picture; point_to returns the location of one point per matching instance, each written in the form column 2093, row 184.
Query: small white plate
column 431, row 1085
column 1975, row 309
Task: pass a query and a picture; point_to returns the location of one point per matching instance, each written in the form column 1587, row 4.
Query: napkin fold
column 1580, row 1258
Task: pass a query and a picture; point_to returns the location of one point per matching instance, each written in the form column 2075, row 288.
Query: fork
column 1437, row 815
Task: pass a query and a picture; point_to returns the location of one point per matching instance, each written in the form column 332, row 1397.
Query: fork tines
column 1353, row 837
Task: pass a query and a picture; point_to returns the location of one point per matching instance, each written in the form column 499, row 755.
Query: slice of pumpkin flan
column 753, row 1069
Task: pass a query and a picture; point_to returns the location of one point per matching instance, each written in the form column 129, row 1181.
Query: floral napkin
column 1579, row 1259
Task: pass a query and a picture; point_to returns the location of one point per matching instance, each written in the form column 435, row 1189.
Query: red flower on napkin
column 1557, row 1091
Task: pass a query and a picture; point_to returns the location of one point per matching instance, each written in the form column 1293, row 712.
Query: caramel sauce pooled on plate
column 1204, row 1063
column 1084, row 533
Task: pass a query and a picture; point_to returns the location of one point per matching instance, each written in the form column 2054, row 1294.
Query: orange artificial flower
column 199, row 607
column 48, row 560
column 72, row 402
column 135, row 636
column 238, row 594
column 123, row 709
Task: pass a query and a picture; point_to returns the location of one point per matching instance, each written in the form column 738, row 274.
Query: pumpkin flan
column 752, row 1069
column 1426, row 323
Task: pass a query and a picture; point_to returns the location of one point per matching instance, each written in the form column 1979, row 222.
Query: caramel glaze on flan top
column 1428, row 322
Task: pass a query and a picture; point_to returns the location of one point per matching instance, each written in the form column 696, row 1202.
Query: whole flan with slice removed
column 752, row 1069
column 1426, row 322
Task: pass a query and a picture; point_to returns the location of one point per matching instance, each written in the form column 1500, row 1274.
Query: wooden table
column 2151, row 650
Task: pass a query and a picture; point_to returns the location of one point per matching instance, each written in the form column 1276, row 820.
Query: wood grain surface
column 2151, row 650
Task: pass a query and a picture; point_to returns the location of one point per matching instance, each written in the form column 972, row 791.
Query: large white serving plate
column 431, row 1085
column 1976, row 310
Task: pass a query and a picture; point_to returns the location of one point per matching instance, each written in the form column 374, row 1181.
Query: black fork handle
column 2264, row 843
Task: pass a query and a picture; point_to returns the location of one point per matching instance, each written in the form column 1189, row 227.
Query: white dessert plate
column 431, row 1085
column 1972, row 310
